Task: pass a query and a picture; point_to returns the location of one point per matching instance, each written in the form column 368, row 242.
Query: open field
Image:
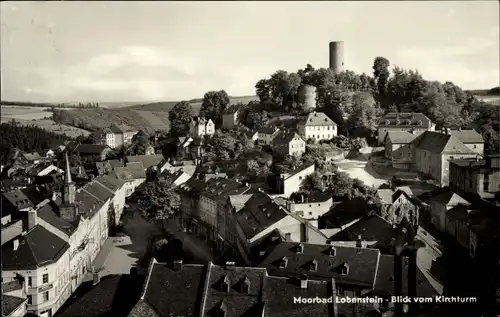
column 495, row 100
column 25, row 113
column 52, row 126
column 166, row 106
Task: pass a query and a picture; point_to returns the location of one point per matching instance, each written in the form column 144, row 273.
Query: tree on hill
column 257, row 119
column 381, row 74
column 180, row 118
column 140, row 142
column 362, row 121
column 213, row 105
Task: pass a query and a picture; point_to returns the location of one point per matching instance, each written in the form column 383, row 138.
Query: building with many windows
column 317, row 126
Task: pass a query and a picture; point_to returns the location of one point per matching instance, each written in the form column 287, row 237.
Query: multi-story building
column 317, row 126
column 398, row 149
column 396, row 204
column 289, row 143
column 289, row 183
column 394, row 121
column 441, row 204
column 476, row 175
column 115, row 136
column 471, row 138
column 311, row 206
column 230, row 117
column 266, row 135
column 432, row 152
column 213, row 290
column 200, row 127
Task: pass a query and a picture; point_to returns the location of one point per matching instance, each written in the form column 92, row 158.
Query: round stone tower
column 337, row 56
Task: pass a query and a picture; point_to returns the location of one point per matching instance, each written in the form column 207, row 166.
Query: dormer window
column 332, row 251
column 420, row 122
column 408, row 122
column 398, row 122
column 344, row 269
column 300, row 248
column 245, row 285
column 387, row 122
column 313, row 266
column 283, row 262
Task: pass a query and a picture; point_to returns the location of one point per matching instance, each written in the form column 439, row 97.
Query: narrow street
column 427, row 257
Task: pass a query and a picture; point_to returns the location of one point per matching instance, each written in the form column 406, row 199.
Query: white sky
column 151, row 51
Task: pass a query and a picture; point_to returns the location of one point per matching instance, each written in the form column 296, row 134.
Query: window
column 340, row 290
column 45, row 278
column 310, row 213
column 45, row 296
column 30, row 300
column 30, row 281
column 475, row 146
column 486, row 182
column 83, row 270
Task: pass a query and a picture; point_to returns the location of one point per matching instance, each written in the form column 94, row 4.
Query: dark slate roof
column 467, row 136
column 87, row 203
column 116, row 163
column 136, row 170
column 236, row 302
column 268, row 130
column 103, row 167
column 143, row 309
column 37, row 248
column 314, row 197
column 18, row 198
column 259, row 212
column 146, row 160
column 298, row 170
column 11, row 303
column 371, row 228
column 362, row 262
column 386, row 279
column 448, row 197
column 32, row 156
column 388, row 196
column 11, row 286
column 91, row 149
column 405, row 120
column 123, row 174
column 440, row 143
column 220, row 189
column 33, row 171
column 318, row 119
column 285, row 137
column 172, row 292
column 49, row 214
column 98, row 191
column 345, row 212
column 400, row 137
column 110, row 182
column 279, row 294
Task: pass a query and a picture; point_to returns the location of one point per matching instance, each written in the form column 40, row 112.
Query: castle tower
column 337, row 56
column 69, row 191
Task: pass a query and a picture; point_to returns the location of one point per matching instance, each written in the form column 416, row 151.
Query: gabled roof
column 232, row 109
column 110, row 181
column 239, row 201
column 362, row 262
column 388, row 196
column 259, row 212
column 50, row 214
column 11, row 303
column 91, row 149
column 116, row 163
column 403, row 119
column 37, row 248
column 467, row 136
column 220, row 189
column 32, row 156
column 98, row 190
column 285, row 137
column 123, row 174
column 449, row 198
column 401, row 137
column 18, row 199
column 268, row 130
column 146, row 160
column 136, row 170
column 441, row 143
column 318, row 119
column 298, row 170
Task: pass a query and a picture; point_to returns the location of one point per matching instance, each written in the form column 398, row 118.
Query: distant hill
column 166, row 106
column 486, row 92
column 96, row 119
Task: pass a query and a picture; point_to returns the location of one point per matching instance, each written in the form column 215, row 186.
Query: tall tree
column 180, row 118
column 158, row 200
column 381, row 74
column 263, row 90
column 213, row 105
column 362, row 120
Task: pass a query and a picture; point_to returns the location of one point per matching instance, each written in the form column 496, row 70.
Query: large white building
column 58, row 240
column 317, row 126
column 200, row 127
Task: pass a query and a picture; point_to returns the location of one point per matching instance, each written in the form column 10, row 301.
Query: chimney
column 178, row 265
column 303, row 281
column 54, row 196
column 32, row 218
column 16, row 244
column 413, row 115
column 95, row 278
column 302, row 198
column 259, row 189
column 359, row 242
column 246, row 184
column 262, row 253
column 229, row 265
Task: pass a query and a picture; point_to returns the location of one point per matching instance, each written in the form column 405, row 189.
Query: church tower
column 69, row 190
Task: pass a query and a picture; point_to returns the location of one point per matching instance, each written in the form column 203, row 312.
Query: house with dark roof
column 150, row 162
column 471, row 138
column 476, row 175
column 394, row 121
column 396, row 204
column 291, row 182
column 356, row 271
column 13, row 306
column 311, row 206
column 32, row 158
column 288, row 143
column 434, row 150
column 230, row 117
column 267, row 134
column 317, row 126
column 93, row 151
column 212, row 290
column 441, row 204
column 201, row 126
column 398, row 149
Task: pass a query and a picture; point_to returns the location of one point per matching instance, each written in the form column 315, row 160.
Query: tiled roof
column 32, row 156
column 110, row 181
column 467, row 136
column 33, row 171
column 116, row 163
column 314, row 197
column 401, row 137
column 362, row 262
column 136, row 170
column 11, row 303
column 220, row 189
column 18, row 198
column 394, row 119
column 103, row 167
column 267, row 130
column 88, row 204
column 345, row 212
column 298, row 170
column 174, row 292
column 98, row 190
column 146, row 160
column 448, row 197
column 49, row 214
column 439, row 143
column 11, row 286
column 91, row 149
column 318, row 119
column 37, row 248
column 285, row 137
column 388, row 196
column 143, row 309
column 123, row 174
column 259, row 212
column 239, row 201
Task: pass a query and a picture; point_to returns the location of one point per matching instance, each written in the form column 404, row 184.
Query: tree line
column 50, row 105
column 26, row 138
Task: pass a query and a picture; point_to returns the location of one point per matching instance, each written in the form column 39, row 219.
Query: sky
column 159, row 51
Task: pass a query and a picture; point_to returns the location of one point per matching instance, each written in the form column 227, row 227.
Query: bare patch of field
column 51, row 125
column 24, row 113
